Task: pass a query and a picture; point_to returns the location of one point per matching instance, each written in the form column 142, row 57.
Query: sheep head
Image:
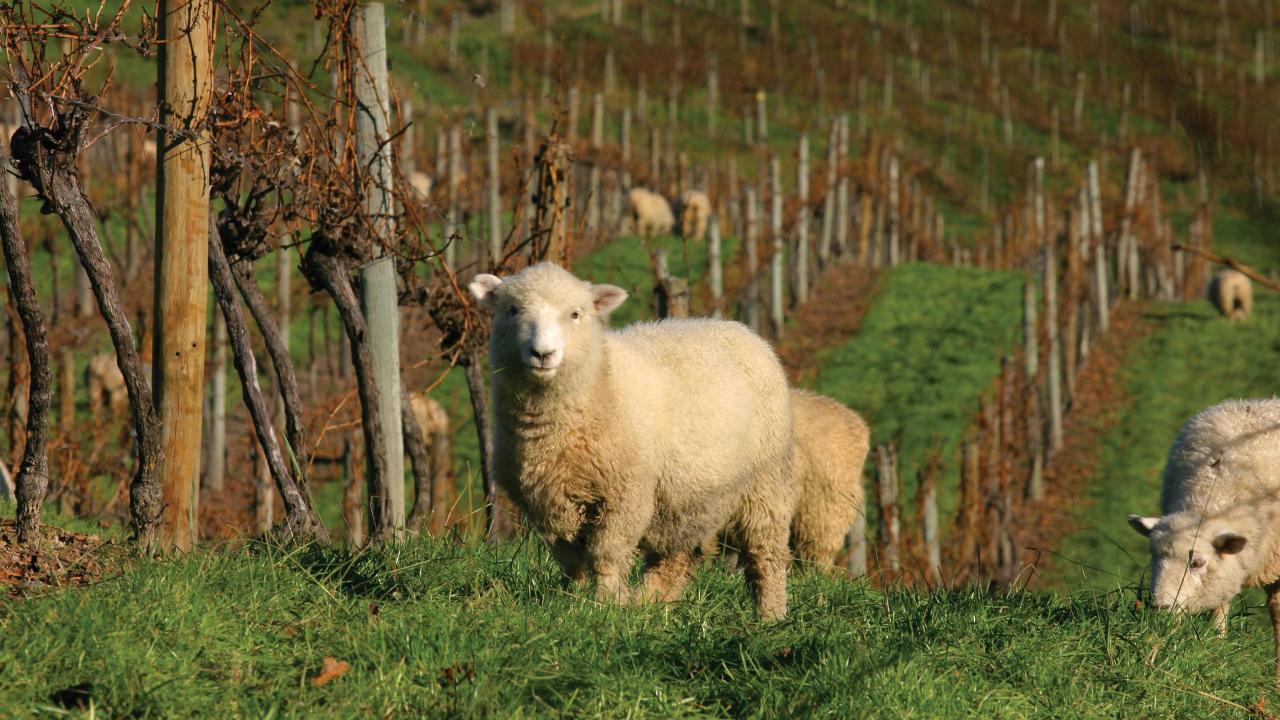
column 1197, row 562
column 548, row 325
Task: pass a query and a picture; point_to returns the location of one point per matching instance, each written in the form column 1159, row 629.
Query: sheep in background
column 1220, row 505
column 652, row 437
column 831, row 444
column 421, row 184
column 106, row 384
column 695, row 210
column 1232, row 293
column 650, row 213
column 434, row 423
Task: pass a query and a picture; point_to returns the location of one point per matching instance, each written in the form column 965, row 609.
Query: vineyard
column 246, row 453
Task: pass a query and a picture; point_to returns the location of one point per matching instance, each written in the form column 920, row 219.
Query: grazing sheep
column 434, row 423
column 652, row 437
column 650, row 213
column 695, row 209
column 831, row 443
column 106, row 384
column 1220, row 507
column 1231, row 292
column 421, row 184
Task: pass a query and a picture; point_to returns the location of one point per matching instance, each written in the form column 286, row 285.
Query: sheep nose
column 543, row 355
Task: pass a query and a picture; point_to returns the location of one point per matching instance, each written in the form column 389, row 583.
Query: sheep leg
column 1273, row 604
column 571, row 559
column 611, row 545
column 763, row 527
column 666, row 576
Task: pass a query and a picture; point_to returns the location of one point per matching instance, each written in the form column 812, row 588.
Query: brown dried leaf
column 332, row 669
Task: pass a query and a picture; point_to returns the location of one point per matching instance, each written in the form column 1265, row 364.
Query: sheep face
column 547, row 324
column 1197, row 563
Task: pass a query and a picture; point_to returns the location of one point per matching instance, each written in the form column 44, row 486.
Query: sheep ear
column 607, row 298
column 1144, row 525
column 482, row 287
column 1229, row 543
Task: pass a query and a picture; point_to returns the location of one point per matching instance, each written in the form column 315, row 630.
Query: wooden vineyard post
column 753, row 258
column 801, row 258
column 777, row 314
column 378, row 299
column 856, row 541
column 887, row 495
column 181, row 269
column 216, row 462
column 495, row 186
column 670, row 294
column 1053, row 377
column 715, row 271
column 928, row 493
column 551, row 201
column 1099, row 249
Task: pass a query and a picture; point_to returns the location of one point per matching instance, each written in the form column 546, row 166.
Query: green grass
column 433, row 629
column 925, row 353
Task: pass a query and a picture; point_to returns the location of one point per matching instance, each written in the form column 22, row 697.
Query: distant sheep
column 1231, row 292
column 650, row 213
column 433, row 420
column 1220, row 508
column 651, row 437
column 421, row 184
column 831, row 444
column 106, row 385
column 695, row 210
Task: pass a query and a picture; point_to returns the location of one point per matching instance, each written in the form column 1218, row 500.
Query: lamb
column 650, row 213
column 1231, row 292
column 106, row 384
column 653, row 436
column 1220, row 504
column 695, row 209
column 831, row 444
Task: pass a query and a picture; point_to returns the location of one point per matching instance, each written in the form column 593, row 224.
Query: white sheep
column 1218, row 531
column 106, row 385
column 421, row 184
column 654, row 436
column 831, row 444
column 1231, row 292
column 650, row 213
column 695, row 211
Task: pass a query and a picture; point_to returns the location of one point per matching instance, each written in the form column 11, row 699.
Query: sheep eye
column 577, row 314
column 1197, row 563
column 513, row 311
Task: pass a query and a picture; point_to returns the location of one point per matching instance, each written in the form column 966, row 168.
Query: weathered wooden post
column 670, row 294
column 887, row 495
column 1053, row 378
column 752, row 249
column 715, row 269
column 895, row 213
column 377, row 280
column 829, row 196
column 216, row 462
column 594, row 201
column 453, row 220
column 1099, row 249
column 495, row 185
column 713, row 95
column 762, row 118
column 842, row 190
column 930, row 529
column 777, row 312
column 182, row 270
column 802, row 224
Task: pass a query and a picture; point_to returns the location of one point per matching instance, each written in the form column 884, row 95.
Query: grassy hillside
column 443, row 630
column 925, row 352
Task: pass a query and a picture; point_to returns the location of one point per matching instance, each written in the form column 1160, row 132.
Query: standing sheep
column 695, row 210
column 652, row 437
column 1218, row 531
column 650, row 213
column 434, row 423
column 831, row 444
column 1231, row 292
